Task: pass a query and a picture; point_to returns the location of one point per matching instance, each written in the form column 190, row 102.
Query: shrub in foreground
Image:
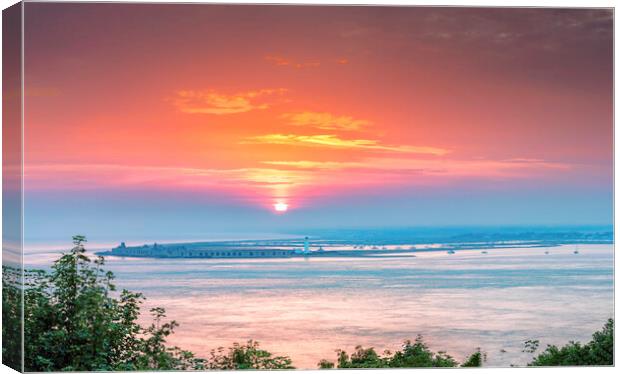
column 412, row 355
column 75, row 320
column 598, row 351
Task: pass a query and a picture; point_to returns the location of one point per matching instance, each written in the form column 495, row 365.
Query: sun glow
column 280, row 207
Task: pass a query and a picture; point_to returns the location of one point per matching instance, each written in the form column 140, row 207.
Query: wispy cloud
column 93, row 176
column 305, row 164
column 330, row 140
column 326, row 121
column 213, row 102
column 283, row 178
column 430, row 168
column 283, row 61
column 297, row 64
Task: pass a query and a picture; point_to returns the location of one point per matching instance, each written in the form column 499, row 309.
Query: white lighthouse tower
column 306, row 246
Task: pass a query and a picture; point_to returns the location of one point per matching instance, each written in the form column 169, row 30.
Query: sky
column 172, row 121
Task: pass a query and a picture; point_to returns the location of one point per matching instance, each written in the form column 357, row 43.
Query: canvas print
column 219, row 187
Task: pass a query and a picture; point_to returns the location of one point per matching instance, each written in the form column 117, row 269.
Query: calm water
column 309, row 308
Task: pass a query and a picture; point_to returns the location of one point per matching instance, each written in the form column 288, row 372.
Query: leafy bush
column 475, row 360
column 11, row 317
column 74, row 322
column 247, row 356
column 599, row 351
column 416, row 354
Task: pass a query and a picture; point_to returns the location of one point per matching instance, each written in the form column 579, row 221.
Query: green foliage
column 530, row 346
column 75, row 320
column 361, row 358
column 417, row 354
column 248, row 356
column 475, row 360
column 599, row 351
column 412, row 354
column 11, row 317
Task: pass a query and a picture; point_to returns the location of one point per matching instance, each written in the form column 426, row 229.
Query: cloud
column 283, row 61
column 94, row 176
column 405, row 168
column 355, row 31
column 213, row 102
column 283, row 174
column 245, row 183
column 464, row 168
column 325, row 121
column 295, row 180
column 279, row 60
column 288, row 62
column 304, row 164
column 329, row 140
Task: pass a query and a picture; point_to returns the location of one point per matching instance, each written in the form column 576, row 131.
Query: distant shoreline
column 291, row 248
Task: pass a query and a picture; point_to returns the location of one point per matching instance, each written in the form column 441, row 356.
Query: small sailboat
column 484, row 252
column 576, row 251
column 451, row 252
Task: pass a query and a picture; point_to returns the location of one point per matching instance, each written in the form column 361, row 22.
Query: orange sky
column 274, row 103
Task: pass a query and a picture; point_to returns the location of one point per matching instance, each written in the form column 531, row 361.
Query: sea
column 308, row 308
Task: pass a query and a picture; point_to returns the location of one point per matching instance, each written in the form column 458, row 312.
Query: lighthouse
column 306, row 245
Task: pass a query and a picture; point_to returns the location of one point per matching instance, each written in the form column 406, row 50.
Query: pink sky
column 264, row 104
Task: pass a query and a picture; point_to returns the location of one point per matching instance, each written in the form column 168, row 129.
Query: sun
column 280, row 207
